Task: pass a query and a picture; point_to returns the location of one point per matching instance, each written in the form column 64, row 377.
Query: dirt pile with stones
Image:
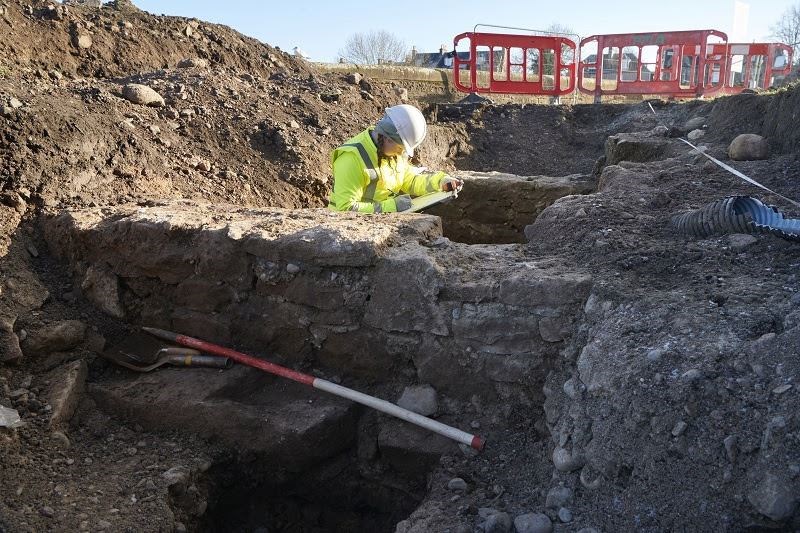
column 672, row 406
column 232, row 119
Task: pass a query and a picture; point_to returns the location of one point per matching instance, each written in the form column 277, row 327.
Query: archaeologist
column 372, row 172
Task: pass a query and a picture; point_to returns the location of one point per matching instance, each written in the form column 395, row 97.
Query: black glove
column 402, row 203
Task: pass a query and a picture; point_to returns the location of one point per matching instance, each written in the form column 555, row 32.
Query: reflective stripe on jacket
column 360, row 185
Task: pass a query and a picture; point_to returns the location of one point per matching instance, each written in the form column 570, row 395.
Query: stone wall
column 390, row 72
column 375, row 297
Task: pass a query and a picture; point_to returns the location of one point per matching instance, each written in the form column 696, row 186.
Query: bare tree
column 374, row 47
column 787, row 29
column 560, row 30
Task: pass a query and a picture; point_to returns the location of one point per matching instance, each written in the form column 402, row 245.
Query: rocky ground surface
column 668, row 400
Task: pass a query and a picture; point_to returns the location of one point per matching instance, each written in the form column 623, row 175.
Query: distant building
column 629, row 70
column 444, row 58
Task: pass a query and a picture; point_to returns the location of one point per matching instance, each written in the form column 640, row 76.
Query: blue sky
column 320, row 28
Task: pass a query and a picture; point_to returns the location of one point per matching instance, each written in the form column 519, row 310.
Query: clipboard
column 423, row 202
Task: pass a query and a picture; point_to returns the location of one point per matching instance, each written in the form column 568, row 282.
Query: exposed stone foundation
column 363, row 295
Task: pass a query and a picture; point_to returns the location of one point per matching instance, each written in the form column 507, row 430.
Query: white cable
column 739, row 174
column 731, row 169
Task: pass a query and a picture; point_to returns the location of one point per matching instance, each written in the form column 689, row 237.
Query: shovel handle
column 178, row 350
column 211, row 361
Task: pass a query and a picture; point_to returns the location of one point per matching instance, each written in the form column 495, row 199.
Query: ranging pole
column 450, row 432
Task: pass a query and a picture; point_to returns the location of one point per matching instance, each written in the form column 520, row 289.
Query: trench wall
column 374, row 297
column 495, row 208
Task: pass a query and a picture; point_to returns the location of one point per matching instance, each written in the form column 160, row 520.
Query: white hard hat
column 410, row 125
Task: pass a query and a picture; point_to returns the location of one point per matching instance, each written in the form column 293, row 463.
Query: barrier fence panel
column 679, row 63
column 513, row 64
column 756, row 66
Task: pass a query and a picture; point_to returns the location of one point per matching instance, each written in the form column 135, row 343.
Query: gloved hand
column 403, row 202
column 450, row 184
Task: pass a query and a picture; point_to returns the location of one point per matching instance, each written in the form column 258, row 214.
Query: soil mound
column 242, row 121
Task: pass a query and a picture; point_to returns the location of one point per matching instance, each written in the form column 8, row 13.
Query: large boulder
column 747, row 147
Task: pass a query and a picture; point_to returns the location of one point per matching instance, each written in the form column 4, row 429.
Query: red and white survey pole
column 370, row 401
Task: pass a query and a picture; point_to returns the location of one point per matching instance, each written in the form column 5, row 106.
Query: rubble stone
column 498, row 523
column 142, row 95
column 637, row 147
column 695, row 134
column 193, row 62
column 565, row 461
column 533, row 523
column 420, row 399
column 101, row 287
column 83, row 41
column 694, row 123
column 773, row 497
column 9, row 342
column 68, row 385
column 55, row 337
column 558, row 497
column 354, row 78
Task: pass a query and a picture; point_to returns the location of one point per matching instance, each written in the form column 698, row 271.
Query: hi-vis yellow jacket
column 360, row 185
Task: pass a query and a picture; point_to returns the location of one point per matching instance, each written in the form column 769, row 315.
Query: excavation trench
column 516, row 160
column 377, row 304
column 494, row 208
column 374, row 304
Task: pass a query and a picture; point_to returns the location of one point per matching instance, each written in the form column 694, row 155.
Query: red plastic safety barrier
column 680, row 63
column 756, row 65
column 514, row 64
column 677, row 64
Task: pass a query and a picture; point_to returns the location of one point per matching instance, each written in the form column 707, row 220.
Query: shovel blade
column 137, row 348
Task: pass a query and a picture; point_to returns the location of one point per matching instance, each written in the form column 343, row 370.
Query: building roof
column 443, row 59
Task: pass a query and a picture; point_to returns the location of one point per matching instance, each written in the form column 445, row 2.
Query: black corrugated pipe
column 737, row 214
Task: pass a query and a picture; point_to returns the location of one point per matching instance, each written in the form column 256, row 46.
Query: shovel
column 143, row 353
